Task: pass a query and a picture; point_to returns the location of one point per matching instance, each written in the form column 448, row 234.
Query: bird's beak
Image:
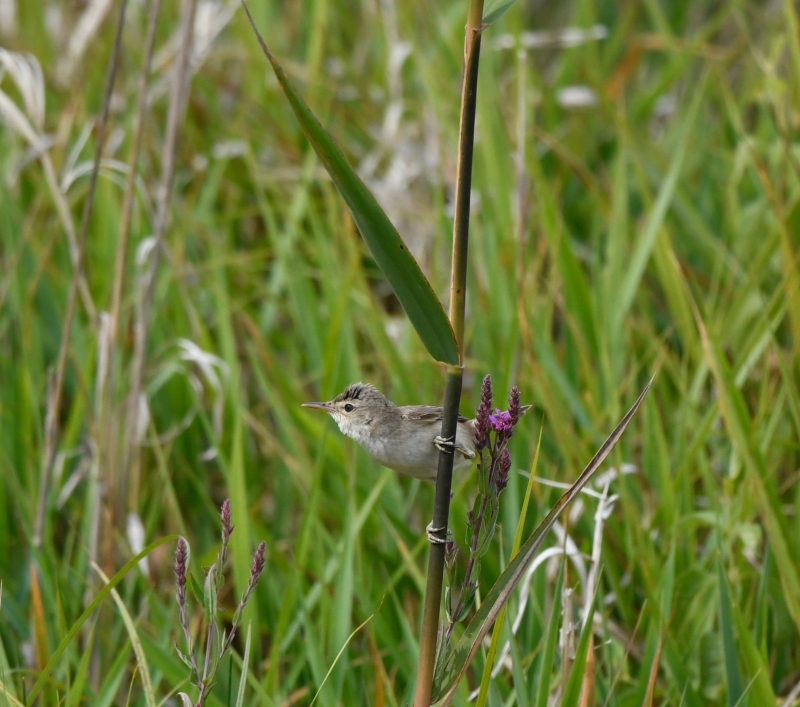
column 318, row 406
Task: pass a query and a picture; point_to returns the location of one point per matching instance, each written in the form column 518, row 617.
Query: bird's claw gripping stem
column 445, row 445
column 437, row 536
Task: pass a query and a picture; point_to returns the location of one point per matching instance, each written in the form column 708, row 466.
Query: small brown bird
column 404, row 438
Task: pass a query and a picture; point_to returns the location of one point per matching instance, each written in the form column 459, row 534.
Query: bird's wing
column 424, row 413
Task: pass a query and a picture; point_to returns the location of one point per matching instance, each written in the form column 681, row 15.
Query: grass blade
column 737, row 420
column 732, row 675
column 637, row 261
column 9, row 696
column 573, row 692
column 546, row 669
column 138, row 650
column 650, row 692
column 245, row 663
column 76, row 627
column 759, row 686
column 342, row 650
column 75, row 695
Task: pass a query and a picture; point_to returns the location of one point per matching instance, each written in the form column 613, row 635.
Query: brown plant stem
column 180, row 90
column 54, row 402
column 452, row 398
column 105, row 393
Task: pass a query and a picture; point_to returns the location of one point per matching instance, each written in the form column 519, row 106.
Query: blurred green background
column 636, row 210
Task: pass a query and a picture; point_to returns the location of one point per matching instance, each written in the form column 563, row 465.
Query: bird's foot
column 450, row 445
column 437, row 536
column 444, row 445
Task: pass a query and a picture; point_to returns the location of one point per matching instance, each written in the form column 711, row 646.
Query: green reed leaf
column 493, row 10
column 387, row 247
column 572, row 692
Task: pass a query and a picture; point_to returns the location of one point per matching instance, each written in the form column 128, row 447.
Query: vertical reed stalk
column 452, row 397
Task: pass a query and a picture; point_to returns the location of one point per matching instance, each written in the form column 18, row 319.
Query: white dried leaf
column 26, row 73
column 108, row 168
column 553, row 39
column 229, row 149
column 209, row 455
column 87, row 27
column 607, row 477
column 142, row 419
column 213, row 368
column 16, row 119
column 214, row 371
column 144, row 249
column 8, row 17
column 134, row 529
column 210, row 19
column 576, row 97
column 53, row 20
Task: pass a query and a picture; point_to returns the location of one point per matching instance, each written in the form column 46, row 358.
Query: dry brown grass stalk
column 177, row 105
column 54, row 399
column 106, row 419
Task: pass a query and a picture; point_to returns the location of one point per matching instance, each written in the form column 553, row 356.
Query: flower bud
column 502, row 471
column 179, row 567
column 225, row 515
column 258, row 563
column 450, row 552
column 514, row 410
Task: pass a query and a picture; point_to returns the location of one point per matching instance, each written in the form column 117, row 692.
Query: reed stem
column 452, row 397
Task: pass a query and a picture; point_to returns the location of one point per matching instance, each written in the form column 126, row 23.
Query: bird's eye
column 348, row 408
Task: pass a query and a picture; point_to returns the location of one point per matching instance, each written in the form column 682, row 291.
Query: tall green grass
column 653, row 229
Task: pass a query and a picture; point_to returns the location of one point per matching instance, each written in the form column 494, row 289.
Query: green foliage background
column 654, row 228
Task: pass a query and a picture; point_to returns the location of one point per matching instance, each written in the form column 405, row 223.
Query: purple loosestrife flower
column 482, row 424
column 501, row 421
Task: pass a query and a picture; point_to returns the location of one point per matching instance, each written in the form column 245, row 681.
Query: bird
column 402, row 437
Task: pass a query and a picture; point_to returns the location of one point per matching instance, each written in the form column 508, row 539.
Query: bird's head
column 355, row 409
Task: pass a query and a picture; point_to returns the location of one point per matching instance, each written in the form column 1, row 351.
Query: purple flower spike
column 483, row 424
